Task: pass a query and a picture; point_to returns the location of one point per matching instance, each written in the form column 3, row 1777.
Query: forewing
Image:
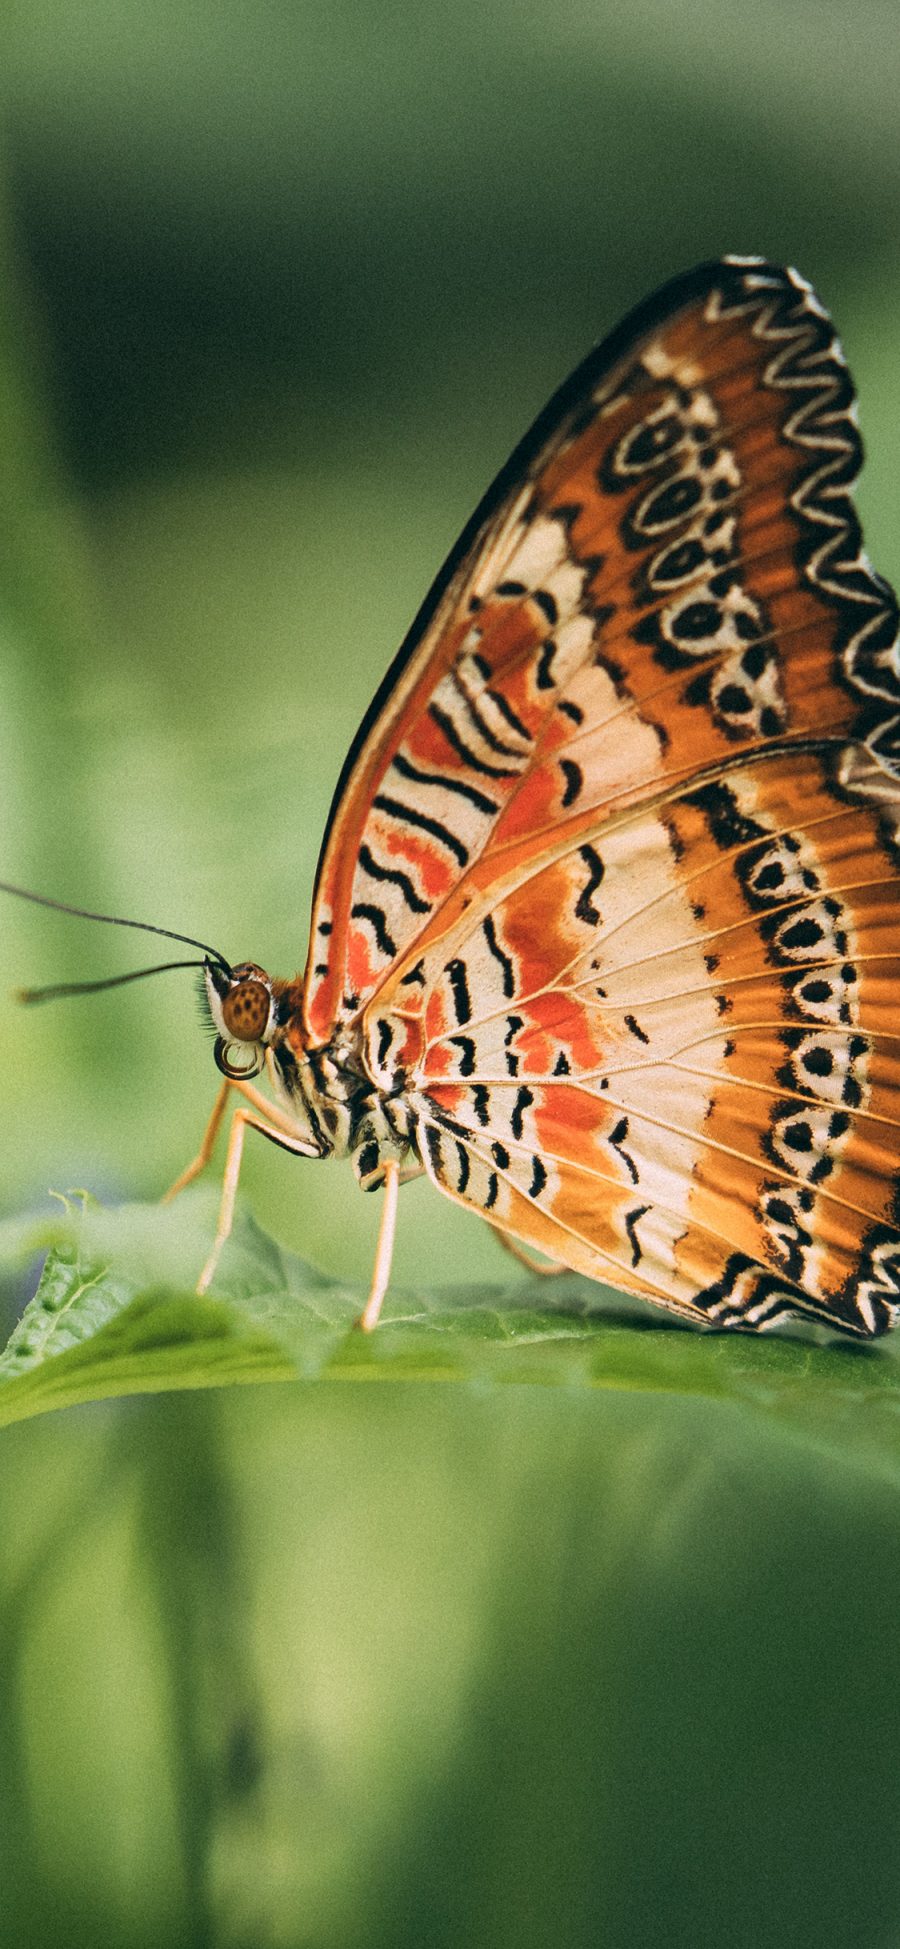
column 667, row 574
column 669, row 1056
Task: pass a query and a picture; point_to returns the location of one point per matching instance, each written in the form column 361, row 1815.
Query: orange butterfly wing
column 611, row 877
column 686, row 1083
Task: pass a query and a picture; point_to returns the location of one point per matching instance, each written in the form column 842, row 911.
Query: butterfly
column 606, row 927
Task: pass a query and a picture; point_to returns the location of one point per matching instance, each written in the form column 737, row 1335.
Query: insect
column 606, row 929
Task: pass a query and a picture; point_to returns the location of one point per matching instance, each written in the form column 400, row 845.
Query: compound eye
column 246, row 1009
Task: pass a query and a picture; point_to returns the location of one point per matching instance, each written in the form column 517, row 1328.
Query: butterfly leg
column 270, row 1111
column 384, row 1251
column 207, row 1146
column 242, row 1121
column 548, row 1269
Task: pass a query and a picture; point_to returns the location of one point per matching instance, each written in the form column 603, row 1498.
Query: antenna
column 115, row 920
column 58, row 989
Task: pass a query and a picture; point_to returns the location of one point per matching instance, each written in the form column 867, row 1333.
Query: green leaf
column 114, row 1314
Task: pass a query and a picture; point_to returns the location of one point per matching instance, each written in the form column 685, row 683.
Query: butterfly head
column 242, row 1005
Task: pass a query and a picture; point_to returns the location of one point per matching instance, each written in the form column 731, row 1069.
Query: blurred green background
column 319, row 1668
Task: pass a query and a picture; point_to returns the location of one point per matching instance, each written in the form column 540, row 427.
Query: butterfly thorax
column 330, row 1089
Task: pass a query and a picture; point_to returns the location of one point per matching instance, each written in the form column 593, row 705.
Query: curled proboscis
column 235, row 1071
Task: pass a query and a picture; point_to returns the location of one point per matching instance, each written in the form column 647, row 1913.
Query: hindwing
column 669, row 1056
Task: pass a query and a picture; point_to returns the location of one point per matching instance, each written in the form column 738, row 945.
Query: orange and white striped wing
column 611, row 889
column 667, row 571
column 669, row 1055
